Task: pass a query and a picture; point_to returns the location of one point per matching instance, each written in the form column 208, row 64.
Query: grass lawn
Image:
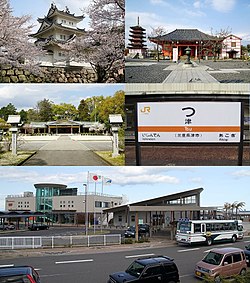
column 8, row 159
column 114, row 161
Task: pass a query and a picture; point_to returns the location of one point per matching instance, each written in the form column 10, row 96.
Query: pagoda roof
column 53, row 11
column 53, row 41
column 185, row 35
column 138, row 28
column 48, row 25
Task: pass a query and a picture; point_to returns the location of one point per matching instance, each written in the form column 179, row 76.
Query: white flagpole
column 94, row 208
column 86, row 206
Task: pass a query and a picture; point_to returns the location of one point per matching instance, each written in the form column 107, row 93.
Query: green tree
column 83, row 111
column 64, row 111
column 32, row 115
column 5, row 111
column 24, row 115
column 94, row 104
column 44, row 109
column 112, row 105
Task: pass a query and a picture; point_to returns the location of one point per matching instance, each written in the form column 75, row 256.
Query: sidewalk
column 182, row 73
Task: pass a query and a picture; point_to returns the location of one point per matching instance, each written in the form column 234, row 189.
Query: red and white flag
column 93, row 177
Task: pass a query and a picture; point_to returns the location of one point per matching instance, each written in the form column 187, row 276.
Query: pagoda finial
column 138, row 21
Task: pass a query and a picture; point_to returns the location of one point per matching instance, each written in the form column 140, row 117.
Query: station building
column 61, row 204
column 162, row 211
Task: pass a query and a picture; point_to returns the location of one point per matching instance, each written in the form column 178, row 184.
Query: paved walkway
column 182, row 73
column 65, row 151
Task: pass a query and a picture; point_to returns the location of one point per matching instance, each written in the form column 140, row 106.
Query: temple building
column 203, row 46
column 136, row 47
column 57, row 28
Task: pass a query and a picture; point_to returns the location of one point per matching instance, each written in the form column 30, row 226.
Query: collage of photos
column 124, row 141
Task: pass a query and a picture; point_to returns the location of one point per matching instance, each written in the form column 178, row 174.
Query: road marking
column 186, row 275
column 246, row 241
column 7, row 265
column 131, row 256
column 189, row 250
column 74, row 261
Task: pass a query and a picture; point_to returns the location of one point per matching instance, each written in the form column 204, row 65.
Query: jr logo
column 145, row 109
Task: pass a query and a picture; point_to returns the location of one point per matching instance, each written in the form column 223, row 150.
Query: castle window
column 233, row 44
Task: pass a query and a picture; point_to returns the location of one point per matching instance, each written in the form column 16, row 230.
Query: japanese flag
column 95, row 177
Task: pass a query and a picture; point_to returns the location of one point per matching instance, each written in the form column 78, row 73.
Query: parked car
column 222, row 263
column 19, row 274
column 247, row 254
column 143, row 230
column 38, row 226
column 150, row 269
column 7, row 226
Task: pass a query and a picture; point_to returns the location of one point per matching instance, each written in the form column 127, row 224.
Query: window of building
column 63, row 36
column 132, row 218
column 10, row 204
column 60, row 205
column 120, row 218
column 233, row 44
column 105, row 204
column 98, row 204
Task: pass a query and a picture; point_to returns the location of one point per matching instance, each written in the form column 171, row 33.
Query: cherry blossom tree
column 15, row 45
column 103, row 44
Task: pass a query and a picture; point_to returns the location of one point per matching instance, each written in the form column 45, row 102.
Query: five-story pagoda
column 136, row 47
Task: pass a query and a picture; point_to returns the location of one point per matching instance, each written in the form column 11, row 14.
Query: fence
column 58, row 241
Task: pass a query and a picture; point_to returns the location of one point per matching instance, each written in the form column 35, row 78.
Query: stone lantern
column 188, row 53
column 115, row 121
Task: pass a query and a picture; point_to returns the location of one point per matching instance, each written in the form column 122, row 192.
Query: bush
column 128, row 241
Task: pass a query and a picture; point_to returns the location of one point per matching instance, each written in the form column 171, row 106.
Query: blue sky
column 200, row 14
column 57, row 93
column 221, row 184
column 39, row 8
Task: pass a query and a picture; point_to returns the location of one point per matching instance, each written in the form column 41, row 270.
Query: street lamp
column 86, row 209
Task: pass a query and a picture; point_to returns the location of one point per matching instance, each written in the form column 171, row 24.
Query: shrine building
column 57, row 28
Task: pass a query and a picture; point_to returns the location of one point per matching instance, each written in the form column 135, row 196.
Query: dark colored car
column 143, row 230
column 247, row 254
column 150, row 269
column 38, row 226
column 19, row 274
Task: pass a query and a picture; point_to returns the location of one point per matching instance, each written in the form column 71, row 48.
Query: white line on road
column 188, row 250
column 246, row 241
column 74, row 261
column 7, row 265
column 186, row 275
column 131, row 256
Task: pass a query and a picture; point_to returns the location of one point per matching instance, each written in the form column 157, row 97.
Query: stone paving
column 148, row 71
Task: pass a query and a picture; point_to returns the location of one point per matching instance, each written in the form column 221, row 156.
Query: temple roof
column 185, row 35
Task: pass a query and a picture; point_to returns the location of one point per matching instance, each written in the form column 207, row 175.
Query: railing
column 59, row 241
